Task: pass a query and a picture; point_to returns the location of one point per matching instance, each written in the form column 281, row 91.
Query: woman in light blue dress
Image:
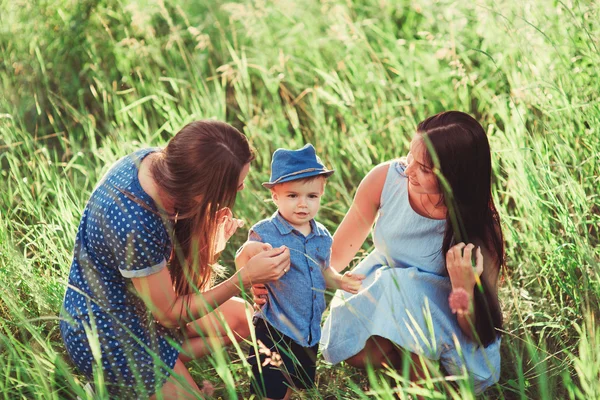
column 432, row 211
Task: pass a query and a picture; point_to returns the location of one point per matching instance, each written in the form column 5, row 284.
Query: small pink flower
column 207, row 388
column 459, row 301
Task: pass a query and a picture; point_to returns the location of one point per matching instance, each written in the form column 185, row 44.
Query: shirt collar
column 284, row 227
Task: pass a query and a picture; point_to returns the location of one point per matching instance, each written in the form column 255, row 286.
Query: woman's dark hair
column 459, row 148
column 200, row 170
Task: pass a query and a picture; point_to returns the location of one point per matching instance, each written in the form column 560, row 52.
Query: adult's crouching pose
column 422, row 297
column 140, row 299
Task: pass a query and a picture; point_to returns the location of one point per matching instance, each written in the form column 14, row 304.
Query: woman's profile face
column 243, row 175
column 421, row 178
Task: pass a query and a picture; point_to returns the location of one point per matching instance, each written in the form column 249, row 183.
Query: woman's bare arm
column 357, row 223
column 172, row 310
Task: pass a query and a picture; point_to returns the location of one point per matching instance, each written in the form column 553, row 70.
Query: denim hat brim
column 294, row 177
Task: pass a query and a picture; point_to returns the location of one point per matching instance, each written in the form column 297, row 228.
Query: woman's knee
column 239, row 317
column 241, row 327
column 378, row 352
column 357, row 360
column 231, row 315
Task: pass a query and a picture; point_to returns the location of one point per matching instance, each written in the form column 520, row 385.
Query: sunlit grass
column 84, row 83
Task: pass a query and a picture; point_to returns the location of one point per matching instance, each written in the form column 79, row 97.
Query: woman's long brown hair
column 458, row 146
column 199, row 170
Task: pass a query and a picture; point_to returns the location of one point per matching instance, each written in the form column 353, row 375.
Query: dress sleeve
column 138, row 239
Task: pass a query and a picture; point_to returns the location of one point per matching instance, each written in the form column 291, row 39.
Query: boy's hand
column 351, row 282
column 259, row 296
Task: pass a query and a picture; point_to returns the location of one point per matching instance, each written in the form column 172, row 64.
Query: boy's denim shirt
column 296, row 301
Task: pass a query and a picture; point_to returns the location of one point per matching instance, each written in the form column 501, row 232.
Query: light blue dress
column 405, row 294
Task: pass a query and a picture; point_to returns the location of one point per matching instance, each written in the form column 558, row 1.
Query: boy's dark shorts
column 297, row 370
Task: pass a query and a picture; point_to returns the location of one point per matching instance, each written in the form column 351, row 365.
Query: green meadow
column 83, row 83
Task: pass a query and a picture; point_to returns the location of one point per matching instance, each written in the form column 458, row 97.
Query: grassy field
column 83, row 83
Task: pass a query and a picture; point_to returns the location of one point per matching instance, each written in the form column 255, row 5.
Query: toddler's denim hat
column 290, row 165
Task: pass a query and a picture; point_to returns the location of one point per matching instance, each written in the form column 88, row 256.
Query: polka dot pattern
column 104, row 324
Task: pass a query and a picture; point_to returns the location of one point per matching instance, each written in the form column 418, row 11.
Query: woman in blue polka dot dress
column 140, row 300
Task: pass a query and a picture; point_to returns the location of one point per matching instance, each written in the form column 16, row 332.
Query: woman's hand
column 250, row 249
column 226, row 227
column 266, row 266
column 463, row 275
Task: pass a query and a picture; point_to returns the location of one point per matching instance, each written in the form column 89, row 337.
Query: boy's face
column 299, row 201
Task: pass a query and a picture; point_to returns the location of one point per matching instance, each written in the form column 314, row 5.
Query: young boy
column 288, row 327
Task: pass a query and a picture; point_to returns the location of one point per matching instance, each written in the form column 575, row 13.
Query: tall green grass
column 83, row 83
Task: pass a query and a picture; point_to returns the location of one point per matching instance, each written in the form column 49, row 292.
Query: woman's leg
column 209, row 333
column 377, row 352
column 288, row 395
column 175, row 389
column 380, row 352
column 204, row 336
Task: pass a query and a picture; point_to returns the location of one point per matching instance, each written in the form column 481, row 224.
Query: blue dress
column 405, row 294
column 105, row 326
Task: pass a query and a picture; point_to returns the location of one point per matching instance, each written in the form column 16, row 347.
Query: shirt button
column 311, row 268
column 314, row 296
